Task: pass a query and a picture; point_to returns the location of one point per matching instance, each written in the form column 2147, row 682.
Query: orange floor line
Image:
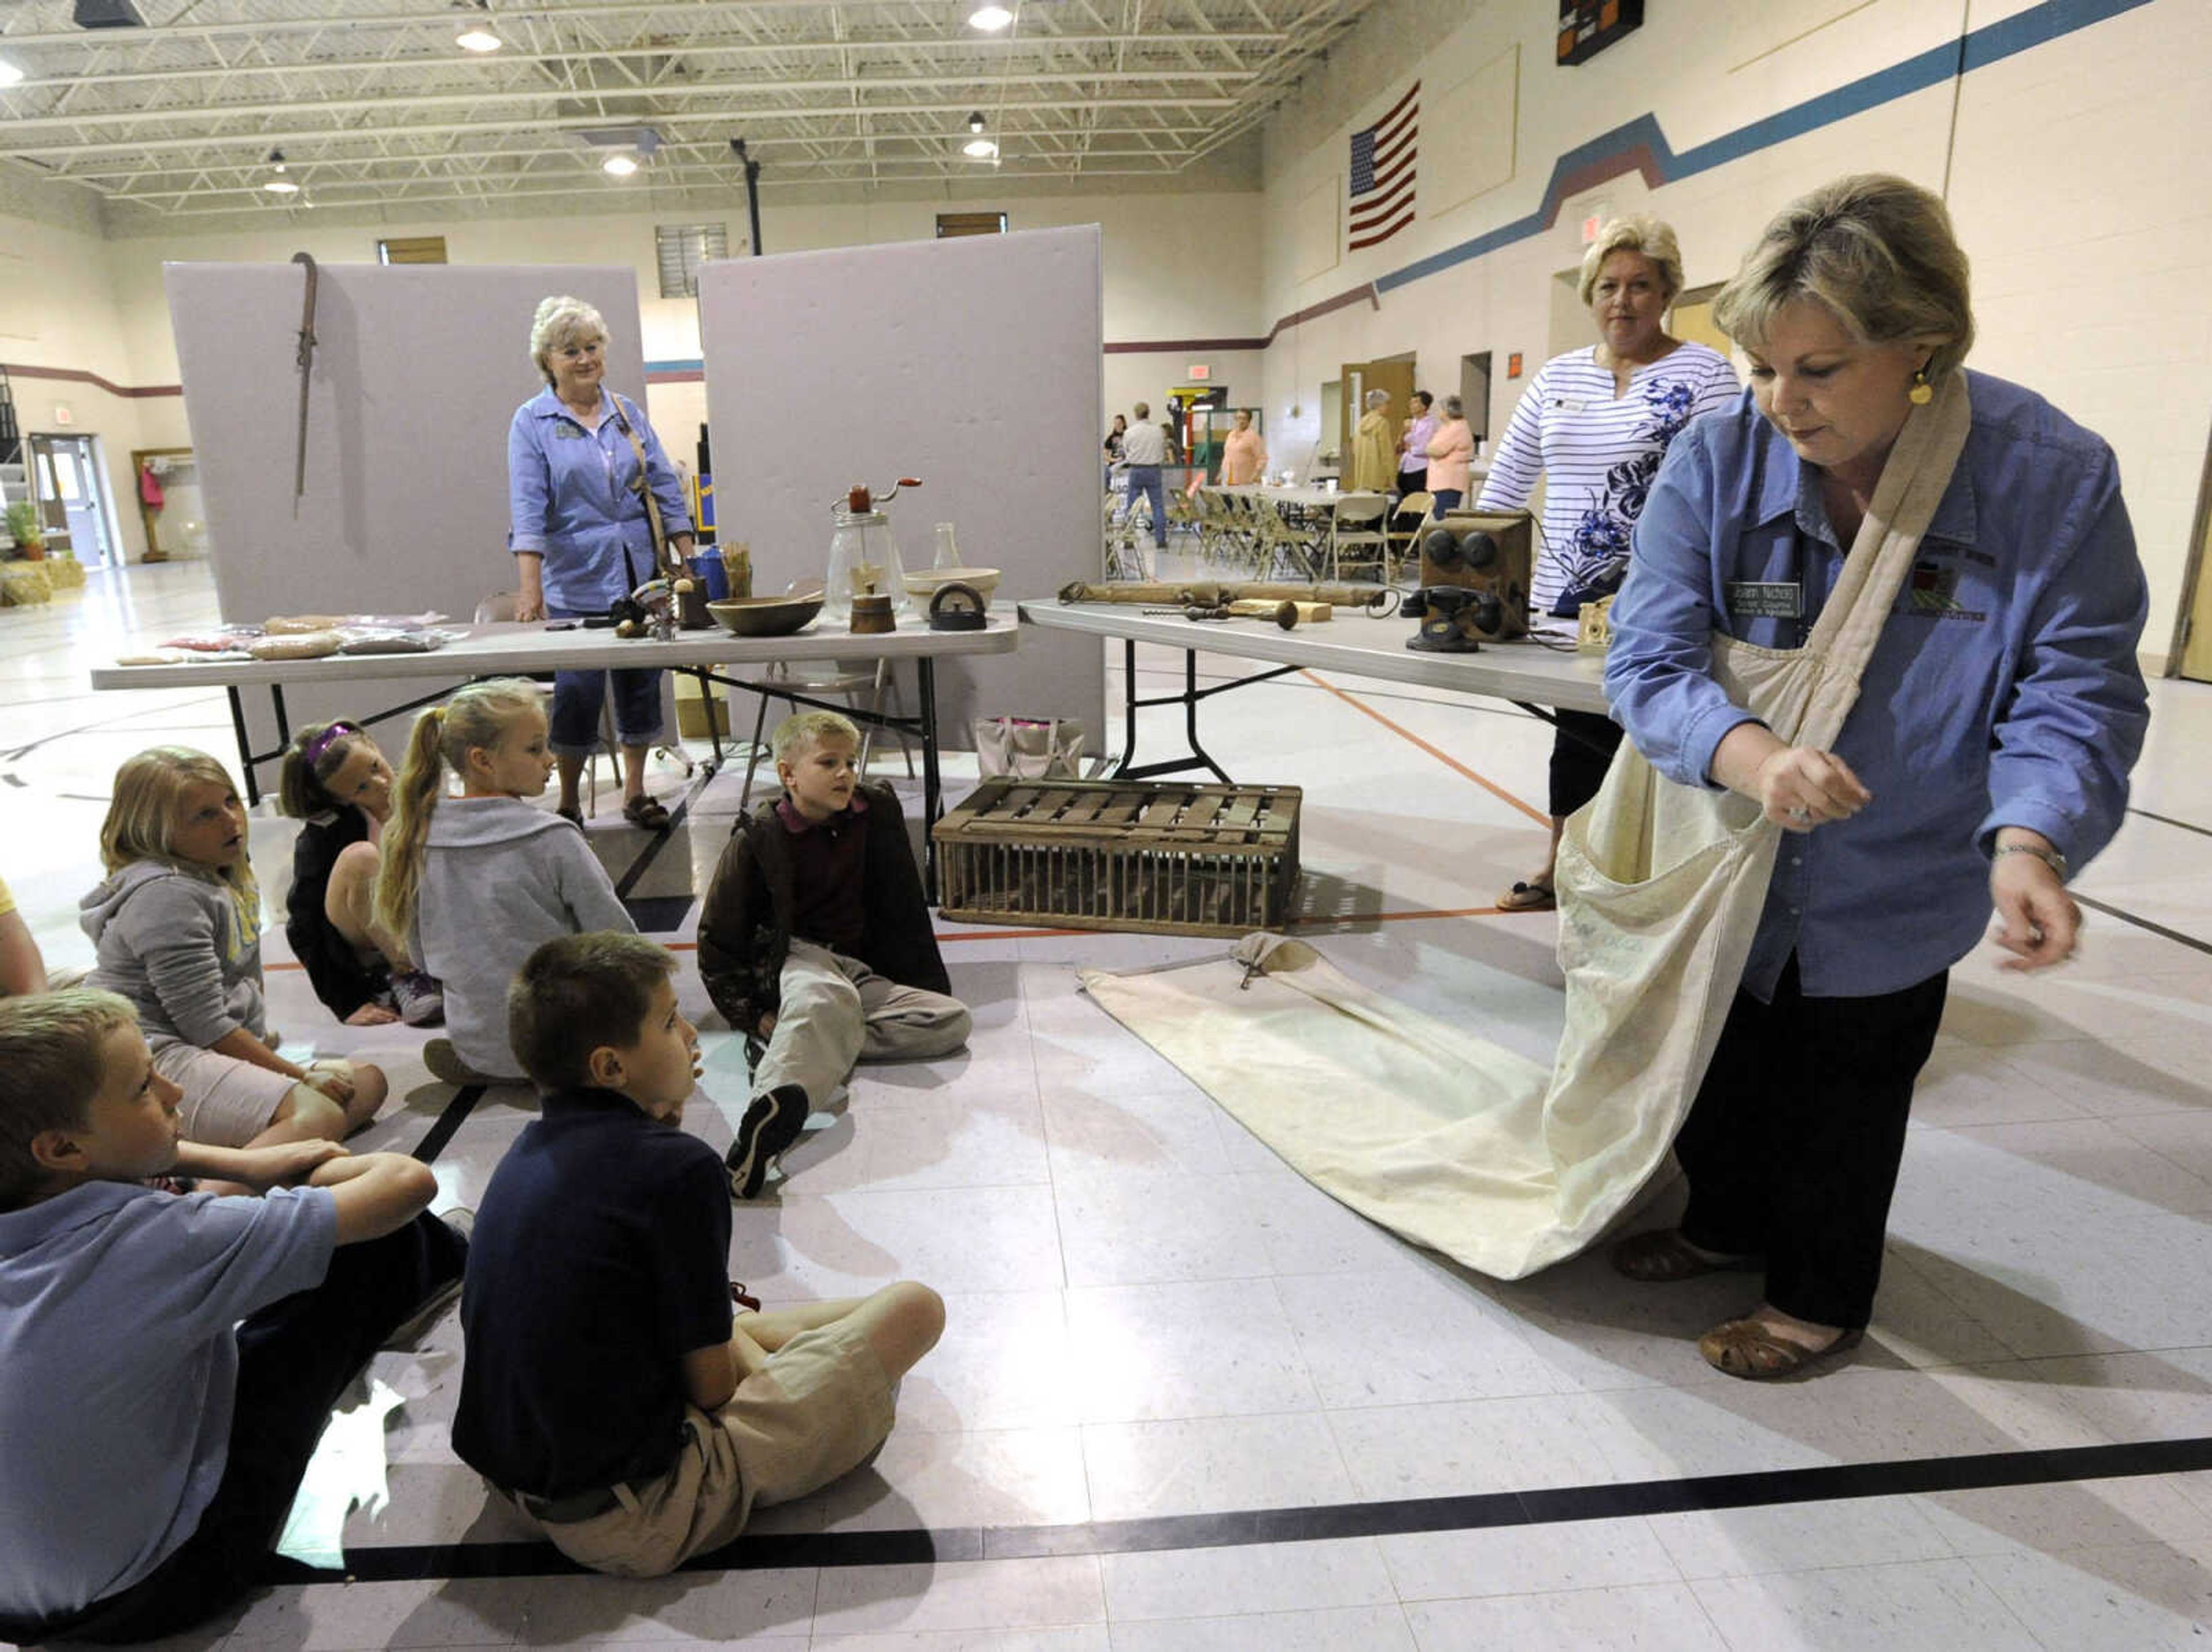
column 1443, row 758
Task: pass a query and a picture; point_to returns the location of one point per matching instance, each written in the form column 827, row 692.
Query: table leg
column 1128, row 707
column 705, row 679
column 244, row 745
column 925, row 692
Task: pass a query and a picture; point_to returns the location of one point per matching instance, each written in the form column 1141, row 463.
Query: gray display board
column 972, row 363
column 417, row 371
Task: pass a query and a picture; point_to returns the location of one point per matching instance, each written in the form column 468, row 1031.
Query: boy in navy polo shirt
column 608, row 1392
column 167, row 1361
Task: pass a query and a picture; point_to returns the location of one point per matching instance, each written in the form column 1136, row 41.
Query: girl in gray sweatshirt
column 178, row 926
column 478, row 881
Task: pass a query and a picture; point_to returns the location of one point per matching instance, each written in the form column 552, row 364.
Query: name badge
column 1766, row 599
column 563, row 431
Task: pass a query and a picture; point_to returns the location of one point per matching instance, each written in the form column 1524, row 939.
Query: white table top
column 1311, row 497
column 523, row 650
column 1356, row 645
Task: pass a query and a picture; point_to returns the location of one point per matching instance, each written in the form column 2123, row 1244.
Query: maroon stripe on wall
column 78, row 375
column 1353, row 296
column 1182, row 346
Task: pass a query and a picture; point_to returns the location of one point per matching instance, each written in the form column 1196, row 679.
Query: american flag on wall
column 1383, row 173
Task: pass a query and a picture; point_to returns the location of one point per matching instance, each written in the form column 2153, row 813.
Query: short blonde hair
column 50, row 1069
column 1876, row 251
column 797, row 735
column 1639, row 232
column 560, row 322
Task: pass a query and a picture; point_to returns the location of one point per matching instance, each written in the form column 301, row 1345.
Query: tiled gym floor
column 1271, row 1425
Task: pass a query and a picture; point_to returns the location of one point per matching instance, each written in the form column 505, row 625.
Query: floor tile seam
column 1441, row 755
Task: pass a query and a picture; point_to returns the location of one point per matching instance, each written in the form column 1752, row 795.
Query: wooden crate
column 1163, row 857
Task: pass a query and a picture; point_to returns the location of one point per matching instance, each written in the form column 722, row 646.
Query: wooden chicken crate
column 1164, row 858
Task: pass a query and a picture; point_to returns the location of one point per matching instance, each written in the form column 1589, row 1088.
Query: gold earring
column 1922, row 392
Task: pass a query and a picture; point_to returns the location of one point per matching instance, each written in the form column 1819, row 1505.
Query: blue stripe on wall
column 1617, row 151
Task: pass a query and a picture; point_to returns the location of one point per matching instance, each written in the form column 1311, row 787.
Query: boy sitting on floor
column 151, row 1443
column 815, row 941
column 606, row 1391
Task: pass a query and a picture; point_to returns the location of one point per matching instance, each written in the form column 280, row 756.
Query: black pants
column 1793, row 1145
column 1582, row 745
column 295, row 1359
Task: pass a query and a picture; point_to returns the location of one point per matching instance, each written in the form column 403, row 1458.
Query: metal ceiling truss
column 374, row 105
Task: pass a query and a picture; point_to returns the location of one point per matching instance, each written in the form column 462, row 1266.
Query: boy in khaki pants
column 815, row 941
column 608, row 1391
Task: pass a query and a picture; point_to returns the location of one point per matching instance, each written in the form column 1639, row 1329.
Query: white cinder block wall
column 2074, row 168
column 2075, row 172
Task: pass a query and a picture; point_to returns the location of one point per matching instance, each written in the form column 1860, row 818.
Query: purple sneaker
column 421, row 1000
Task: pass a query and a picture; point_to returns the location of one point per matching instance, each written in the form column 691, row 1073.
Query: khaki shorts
column 818, row 1410
column 228, row 1101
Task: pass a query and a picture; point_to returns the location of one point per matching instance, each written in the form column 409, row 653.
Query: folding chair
column 1404, row 546
column 1355, row 536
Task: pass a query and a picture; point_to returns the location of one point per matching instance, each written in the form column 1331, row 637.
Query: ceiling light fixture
column 279, row 185
column 619, row 165
column 989, row 19
column 475, row 34
column 979, row 148
column 10, row 75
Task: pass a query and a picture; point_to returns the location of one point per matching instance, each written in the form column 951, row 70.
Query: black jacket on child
column 745, row 931
column 339, row 976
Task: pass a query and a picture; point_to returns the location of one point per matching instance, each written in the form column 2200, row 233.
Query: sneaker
column 446, row 1065
column 771, row 1124
column 421, row 1001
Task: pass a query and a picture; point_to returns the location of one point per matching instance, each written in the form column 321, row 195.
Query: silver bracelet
column 2050, row 858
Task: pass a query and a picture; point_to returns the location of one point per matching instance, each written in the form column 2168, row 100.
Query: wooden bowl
column 766, row 616
column 983, row 580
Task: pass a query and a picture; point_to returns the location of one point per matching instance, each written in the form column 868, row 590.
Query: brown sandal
column 647, row 812
column 1528, row 898
column 1748, row 1349
column 1662, row 1256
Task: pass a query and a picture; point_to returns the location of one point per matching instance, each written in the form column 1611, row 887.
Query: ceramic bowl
column 983, row 580
column 766, row 616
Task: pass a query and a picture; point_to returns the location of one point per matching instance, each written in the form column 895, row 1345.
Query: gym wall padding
column 972, row 363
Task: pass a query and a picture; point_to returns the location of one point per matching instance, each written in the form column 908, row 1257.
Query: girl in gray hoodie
column 178, row 926
column 476, row 882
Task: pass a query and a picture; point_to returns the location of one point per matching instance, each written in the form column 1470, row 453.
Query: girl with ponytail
column 476, row 883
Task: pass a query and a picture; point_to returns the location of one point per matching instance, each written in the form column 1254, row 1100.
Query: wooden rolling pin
column 1209, row 594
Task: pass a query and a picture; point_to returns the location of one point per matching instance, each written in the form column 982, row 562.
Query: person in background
column 1145, row 450
column 1595, row 423
column 1421, row 423
column 584, row 469
column 1985, row 761
column 1373, row 449
column 1451, row 456
column 1113, row 447
column 1243, row 454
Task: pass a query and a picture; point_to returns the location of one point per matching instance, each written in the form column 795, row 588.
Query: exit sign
column 1199, row 374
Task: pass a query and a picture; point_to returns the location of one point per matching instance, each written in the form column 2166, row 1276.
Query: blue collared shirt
column 2004, row 690
column 569, row 499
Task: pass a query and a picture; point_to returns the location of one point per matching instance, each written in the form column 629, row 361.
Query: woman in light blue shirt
column 1986, row 754
column 577, row 495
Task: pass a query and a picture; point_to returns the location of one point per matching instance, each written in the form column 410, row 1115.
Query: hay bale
column 22, row 584
column 66, row 573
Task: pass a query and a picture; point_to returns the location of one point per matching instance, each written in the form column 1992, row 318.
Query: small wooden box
column 1162, row 857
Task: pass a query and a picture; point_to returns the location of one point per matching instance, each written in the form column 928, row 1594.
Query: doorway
column 1692, row 319
column 72, row 497
column 1330, row 457
column 2192, row 643
column 1474, row 393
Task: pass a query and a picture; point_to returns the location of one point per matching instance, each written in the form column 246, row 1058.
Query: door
column 1358, row 378
column 2197, row 637
column 1692, row 319
column 71, row 497
column 1474, row 393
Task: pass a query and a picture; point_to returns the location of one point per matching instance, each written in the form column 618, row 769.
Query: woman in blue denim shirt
column 581, row 537
column 1986, row 753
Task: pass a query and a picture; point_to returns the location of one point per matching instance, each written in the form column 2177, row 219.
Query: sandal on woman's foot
column 1664, row 1257
column 1750, row 1350
column 646, row 812
column 1528, row 898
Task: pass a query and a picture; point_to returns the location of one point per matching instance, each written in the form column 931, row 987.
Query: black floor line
column 1549, row 1506
column 2126, row 917
column 659, row 840
column 457, row 1111
column 2168, row 820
